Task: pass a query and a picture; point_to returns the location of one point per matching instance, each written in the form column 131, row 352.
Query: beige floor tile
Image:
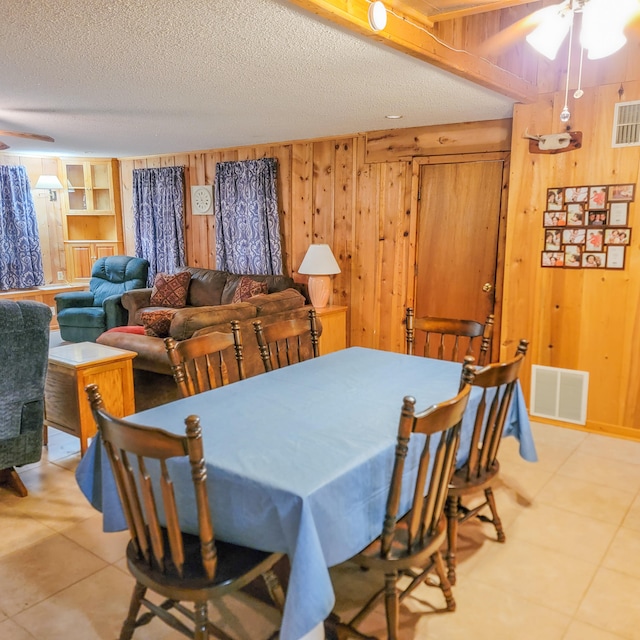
column 609, row 447
column 89, row 534
column 42, row 479
column 544, row 576
column 587, row 498
column 581, row 631
column 624, row 553
column 38, row 572
column 9, row 630
column 563, row 531
column 18, row 530
column 557, row 437
column 611, row 604
column 632, row 519
column 608, row 472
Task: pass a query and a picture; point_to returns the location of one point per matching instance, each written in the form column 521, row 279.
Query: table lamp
column 319, row 264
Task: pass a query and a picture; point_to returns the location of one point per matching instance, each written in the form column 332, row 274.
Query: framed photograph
column 595, row 218
column 555, row 199
column 615, row 258
column 552, row 239
column 621, row 192
column 574, row 236
column 618, row 214
column 576, row 194
column 555, row 218
column 594, row 260
column 552, row 259
column 572, row 255
column 594, row 240
column 617, row 236
column 575, row 215
column 597, row 197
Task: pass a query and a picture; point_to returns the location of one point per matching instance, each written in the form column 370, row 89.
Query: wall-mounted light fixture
column 49, row 182
column 319, row 264
column 377, row 16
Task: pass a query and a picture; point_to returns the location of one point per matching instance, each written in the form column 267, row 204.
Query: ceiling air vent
column 626, row 125
column 559, row 394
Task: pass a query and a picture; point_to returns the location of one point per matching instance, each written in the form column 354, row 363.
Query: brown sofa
column 209, row 308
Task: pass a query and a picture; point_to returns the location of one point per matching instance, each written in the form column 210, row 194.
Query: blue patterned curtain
column 246, row 215
column 158, row 218
column 20, row 256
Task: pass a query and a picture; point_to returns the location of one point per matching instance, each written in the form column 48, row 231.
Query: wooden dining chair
column 288, row 341
column 448, row 338
column 198, row 364
column 498, row 382
column 410, row 544
column 179, row 566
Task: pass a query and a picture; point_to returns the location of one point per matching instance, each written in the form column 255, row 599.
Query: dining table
column 299, row 461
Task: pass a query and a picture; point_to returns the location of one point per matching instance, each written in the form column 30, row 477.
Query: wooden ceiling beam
column 481, row 8
column 409, row 37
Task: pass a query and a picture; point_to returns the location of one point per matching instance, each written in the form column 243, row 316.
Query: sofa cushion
column 206, row 286
column 286, row 300
column 274, row 283
column 170, row 290
column 90, row 317
column 188, row 320
column 133, row 328
column 247, row 288
column 156, row 323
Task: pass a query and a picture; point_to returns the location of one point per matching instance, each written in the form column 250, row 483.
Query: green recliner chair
column 24, row 352
column 84, row 315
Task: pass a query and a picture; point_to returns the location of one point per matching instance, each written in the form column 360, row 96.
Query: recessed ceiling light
column 392, row 117
column 377, row 16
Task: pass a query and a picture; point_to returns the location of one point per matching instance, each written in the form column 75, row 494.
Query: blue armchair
column 24, row 351
column 84, row 315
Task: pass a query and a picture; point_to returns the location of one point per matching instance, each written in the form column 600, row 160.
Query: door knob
column 487, row 287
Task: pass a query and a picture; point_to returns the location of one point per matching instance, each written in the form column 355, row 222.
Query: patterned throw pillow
column 247, row 288
column 170, row 290
column 156, row 323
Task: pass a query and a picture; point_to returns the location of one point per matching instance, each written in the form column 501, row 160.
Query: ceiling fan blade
column 30, row 136
column 3, row 146
column 514, row 33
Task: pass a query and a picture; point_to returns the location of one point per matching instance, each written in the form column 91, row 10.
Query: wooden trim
column 472, row 11
column 438, row 140
column 598, row 428
column 409, row 37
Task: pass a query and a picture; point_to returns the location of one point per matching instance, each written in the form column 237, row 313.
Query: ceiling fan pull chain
column 565, row 114
column 579, row 92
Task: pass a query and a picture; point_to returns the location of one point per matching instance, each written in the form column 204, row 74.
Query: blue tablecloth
column 299, row 460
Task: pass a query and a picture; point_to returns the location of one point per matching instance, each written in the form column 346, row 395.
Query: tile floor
column 570, row 569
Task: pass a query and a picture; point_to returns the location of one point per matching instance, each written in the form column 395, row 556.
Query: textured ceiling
column 125, row 78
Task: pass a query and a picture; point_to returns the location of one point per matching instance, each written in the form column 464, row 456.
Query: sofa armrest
column 115, row 314
column 73, row 299
column 134, row 300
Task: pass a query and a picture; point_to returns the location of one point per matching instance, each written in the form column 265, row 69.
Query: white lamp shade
column 547, row 37
column 319, row 261
column 48, row 182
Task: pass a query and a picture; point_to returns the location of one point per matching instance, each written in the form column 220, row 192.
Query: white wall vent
column 626, row 125
column 559, row 394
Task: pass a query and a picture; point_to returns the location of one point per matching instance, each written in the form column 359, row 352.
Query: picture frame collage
column 587, row 227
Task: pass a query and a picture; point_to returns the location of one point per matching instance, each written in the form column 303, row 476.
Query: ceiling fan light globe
column 377, row 16
column 606, row 46
column 548, row 36
column 602, row 27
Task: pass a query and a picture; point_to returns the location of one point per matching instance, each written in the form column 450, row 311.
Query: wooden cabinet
column 92, row 219
column 334, row 328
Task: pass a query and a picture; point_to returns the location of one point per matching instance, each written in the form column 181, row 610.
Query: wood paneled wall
column 575, row 319
column 49, row 214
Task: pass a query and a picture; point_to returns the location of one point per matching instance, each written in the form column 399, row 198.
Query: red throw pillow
column 156, row 323
column 247, row 288
column 170, row 290
column 134, row 328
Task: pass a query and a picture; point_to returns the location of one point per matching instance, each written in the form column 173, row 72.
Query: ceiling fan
column 28, row 136
column 601, row 27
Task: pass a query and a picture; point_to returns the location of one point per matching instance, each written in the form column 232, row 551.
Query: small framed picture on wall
column 618, row 214
column 615, row 257
column 621, row 192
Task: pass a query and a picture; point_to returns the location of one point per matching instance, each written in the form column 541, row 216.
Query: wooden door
column 459, row 247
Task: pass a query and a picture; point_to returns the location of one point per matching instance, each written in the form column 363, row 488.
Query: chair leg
column 129, row 624
column 497, row 523
column 201, row 621
column 276, row 592
column 391, row 603
column 452, row 507
column 11, row 478
column 445, row 585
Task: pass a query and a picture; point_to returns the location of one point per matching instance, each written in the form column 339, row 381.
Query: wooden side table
column 334, row 328
column 71, row 368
